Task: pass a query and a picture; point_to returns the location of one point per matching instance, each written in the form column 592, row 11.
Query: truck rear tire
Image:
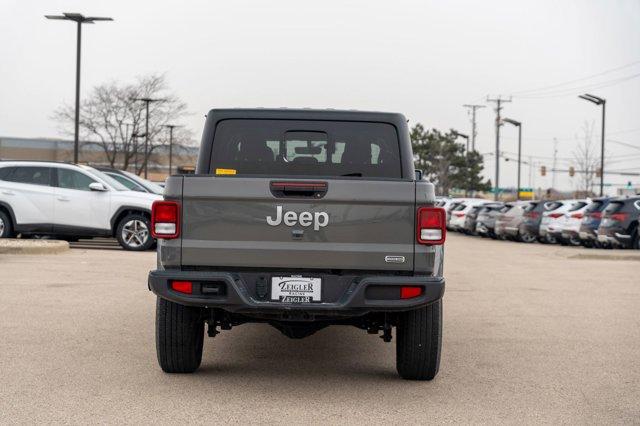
column 179, row 336
column 419, row 342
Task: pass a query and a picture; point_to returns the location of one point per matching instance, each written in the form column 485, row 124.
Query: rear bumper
column 239, row 297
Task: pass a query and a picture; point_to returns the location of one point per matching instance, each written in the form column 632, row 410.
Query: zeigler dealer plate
column 296, row 289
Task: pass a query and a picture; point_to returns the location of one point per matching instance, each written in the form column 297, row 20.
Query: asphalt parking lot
column 533, row 333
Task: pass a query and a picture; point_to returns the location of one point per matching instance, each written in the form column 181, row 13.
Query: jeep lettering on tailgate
column 291, row 218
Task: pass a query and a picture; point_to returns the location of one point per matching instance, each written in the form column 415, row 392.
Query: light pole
column 466, row 156
column 462, row 135
column 147, row 101
column 599, row 101
column 519, row 125
column 171, row 127
column 79, row 19
column 135, row 137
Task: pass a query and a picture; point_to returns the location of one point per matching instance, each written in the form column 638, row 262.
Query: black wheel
column 525, row 236
column 574, row 241
column 179, row 335
column 419, row 342
column 635, row 243
column 6, row 227
column 133, row 232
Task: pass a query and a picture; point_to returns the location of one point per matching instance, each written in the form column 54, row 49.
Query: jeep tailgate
column 371, row 224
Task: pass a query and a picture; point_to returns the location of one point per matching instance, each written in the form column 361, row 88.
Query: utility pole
column 498, row 101
column 555, row 157
column 530, row 171
column 471, row 109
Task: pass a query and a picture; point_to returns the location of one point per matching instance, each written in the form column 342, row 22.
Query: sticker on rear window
column 225, row 171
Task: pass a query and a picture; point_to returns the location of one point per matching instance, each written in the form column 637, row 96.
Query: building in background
column 41, row 149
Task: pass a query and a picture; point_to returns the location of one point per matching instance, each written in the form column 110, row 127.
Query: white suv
column 71, row 202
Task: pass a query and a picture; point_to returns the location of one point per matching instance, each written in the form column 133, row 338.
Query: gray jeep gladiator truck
column 300, row 219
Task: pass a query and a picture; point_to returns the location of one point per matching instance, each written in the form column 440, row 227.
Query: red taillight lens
column 458, row 214
column 577, row 215
column 432, row 225
column 185, row 287
column 619, row 217
column 410, row 292
column 533, row 215
column 555, row 215
column 165, row 219
column 596, row 215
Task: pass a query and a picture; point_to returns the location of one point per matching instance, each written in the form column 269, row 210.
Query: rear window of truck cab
column 306, row 148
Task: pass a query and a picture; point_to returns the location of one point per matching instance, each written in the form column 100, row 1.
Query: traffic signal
column 572, row 171
column 598, row 172
column 543, row 170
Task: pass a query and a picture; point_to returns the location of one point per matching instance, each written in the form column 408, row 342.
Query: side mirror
column 97, row 186
column 418, row 174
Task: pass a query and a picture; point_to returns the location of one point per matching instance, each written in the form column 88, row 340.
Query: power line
column 552, row 86
column 573, row 90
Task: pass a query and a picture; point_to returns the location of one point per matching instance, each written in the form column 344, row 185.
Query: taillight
column 432, row 225
column 185, row 287
column 577, row 215
column 165, row 219
column 409, row 292
column 555, row 215
column 619, row 217
column 596, row 215
column 533, row 215
column 458, row 214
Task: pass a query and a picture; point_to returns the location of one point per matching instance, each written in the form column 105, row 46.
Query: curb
column 19, row 246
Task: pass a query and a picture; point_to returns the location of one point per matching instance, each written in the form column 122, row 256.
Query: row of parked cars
column 606, row 222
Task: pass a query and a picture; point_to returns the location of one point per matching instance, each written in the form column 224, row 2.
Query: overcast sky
column 422, row 58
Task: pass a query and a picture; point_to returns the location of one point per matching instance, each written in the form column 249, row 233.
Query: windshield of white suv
column 106, row 178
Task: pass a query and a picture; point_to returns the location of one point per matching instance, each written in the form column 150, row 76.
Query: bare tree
column 586, row 159
column 110, row 118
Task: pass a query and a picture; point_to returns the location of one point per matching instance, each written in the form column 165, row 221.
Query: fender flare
column 12, row 215
column 122, row 209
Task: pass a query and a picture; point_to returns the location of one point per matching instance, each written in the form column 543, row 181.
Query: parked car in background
column 132, row 181
column 619, row 226
column 486, row 220
column 459, row 214
column 588, row 232
column 530, row 226
column 554, row 211
column 452, row 205
column 70, row 201
column 568, row 226
column 569, row 221
column 509, row 219
column 471, row 219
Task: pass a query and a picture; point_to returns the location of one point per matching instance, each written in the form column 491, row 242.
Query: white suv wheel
column 135, row 233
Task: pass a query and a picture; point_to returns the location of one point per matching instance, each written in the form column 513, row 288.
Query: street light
column 79, row 19
column 462, row 135
column 519, row 125
column 135, row 137
column 599, row 101
column 147, row 101
column 170, row 127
